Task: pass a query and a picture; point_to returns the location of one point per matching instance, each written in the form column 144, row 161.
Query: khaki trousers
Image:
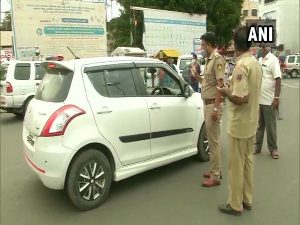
column 240, row 171
column 213, row 131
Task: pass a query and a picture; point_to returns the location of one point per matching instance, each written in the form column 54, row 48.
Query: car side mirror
column 187, row 91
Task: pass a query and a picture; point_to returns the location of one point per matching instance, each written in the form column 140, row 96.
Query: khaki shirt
column 214, row 70
column 246, row 80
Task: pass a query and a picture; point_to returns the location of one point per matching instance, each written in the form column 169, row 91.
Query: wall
column 286, row 13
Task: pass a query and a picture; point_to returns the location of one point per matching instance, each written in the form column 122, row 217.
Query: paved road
column 171, row 195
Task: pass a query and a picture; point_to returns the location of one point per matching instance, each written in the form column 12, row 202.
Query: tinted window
column 298, row 59
column 97, row 80
column 160, row 82
column 55, row 85
column 291, row 59
column 113, row 83
column 22, row 71
column 39, row 72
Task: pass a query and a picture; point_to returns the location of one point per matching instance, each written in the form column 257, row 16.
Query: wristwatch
column 215, row 110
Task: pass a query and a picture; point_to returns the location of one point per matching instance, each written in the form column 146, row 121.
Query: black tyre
column 24, row 109
column 89, row 180
column 203, row 149
column 294, row 73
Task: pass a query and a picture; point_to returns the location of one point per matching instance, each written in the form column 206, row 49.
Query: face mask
column 193, row 60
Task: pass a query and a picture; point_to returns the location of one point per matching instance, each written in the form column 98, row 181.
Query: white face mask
column 193, row 60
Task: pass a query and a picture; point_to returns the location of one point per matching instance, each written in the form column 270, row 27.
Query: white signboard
column 169, row 29
column 54, row 25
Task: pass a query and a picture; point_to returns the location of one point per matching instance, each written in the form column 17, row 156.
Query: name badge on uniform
column 219, row 66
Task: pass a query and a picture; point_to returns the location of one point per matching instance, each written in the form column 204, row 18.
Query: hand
column 275, row 103
column 214, row 116
column 224, row 90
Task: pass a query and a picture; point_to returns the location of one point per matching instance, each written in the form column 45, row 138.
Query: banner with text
column 170, row 29
column 54, row 25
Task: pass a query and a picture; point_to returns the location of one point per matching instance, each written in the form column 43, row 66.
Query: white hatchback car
column 96, row 120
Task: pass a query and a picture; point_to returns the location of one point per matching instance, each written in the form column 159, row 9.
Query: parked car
column 183, row 64
column 292, row 65
column 19, row 82
column 94, row 121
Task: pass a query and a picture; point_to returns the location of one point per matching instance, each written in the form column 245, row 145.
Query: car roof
column 116, row 59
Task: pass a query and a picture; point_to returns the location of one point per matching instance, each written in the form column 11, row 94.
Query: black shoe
column 247, row 206
column 226, row 208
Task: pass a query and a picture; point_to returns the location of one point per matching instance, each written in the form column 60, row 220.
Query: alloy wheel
column 91, row 181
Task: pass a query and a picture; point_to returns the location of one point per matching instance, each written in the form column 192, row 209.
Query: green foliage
column 222, row 17
column 6, row 23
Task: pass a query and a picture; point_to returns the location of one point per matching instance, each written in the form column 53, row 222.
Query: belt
column 209, row 101
column 212, row 101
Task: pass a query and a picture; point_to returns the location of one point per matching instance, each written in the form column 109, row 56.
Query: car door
column 121, row 115
column 172, row 116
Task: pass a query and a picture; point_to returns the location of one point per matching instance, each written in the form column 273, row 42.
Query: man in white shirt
column 269, row 102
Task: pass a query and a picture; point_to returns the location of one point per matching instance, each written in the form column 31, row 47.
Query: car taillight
column 59, row 120
column 9, row 88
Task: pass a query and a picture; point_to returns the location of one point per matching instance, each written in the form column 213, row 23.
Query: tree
column 6, row 23
column 222, row 16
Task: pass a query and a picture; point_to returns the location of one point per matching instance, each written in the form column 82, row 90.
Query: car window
column 22, row 71
column 159, row 81
column 39, row 71
column 298, row 59
column 55, row 86
column 98, row 82
column 113, row 83
column 291, row 59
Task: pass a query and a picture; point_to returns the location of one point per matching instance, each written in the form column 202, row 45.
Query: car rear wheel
column 89, row 180
column 203, row 149
column 294, row 73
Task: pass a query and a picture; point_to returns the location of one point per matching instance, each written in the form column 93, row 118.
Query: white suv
column 19, row 82
column 96, row 120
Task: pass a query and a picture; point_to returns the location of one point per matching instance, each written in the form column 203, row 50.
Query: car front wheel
column 203, row 149
column 294, row 73
column 89, row 180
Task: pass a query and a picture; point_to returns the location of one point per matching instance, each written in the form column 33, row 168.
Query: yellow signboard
column 55, row 25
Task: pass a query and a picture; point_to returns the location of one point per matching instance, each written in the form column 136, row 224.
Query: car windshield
column 3, row 71
column 55, row 85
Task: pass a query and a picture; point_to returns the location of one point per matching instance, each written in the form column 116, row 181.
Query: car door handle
column 154, row 106
column 104, row 110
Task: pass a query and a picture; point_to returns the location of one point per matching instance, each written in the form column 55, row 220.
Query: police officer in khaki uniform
column 242, row 121
column 213, row 105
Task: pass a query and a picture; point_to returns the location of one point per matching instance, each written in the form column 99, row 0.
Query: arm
column 218, row 94
column 275, row 102
column 238, row 94
column 225, row 91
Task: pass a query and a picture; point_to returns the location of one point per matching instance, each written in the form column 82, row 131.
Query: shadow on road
column 10, row 119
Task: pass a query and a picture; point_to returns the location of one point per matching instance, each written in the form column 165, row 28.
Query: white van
column 184, row 62
column 19, row 82
column 129, row 51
